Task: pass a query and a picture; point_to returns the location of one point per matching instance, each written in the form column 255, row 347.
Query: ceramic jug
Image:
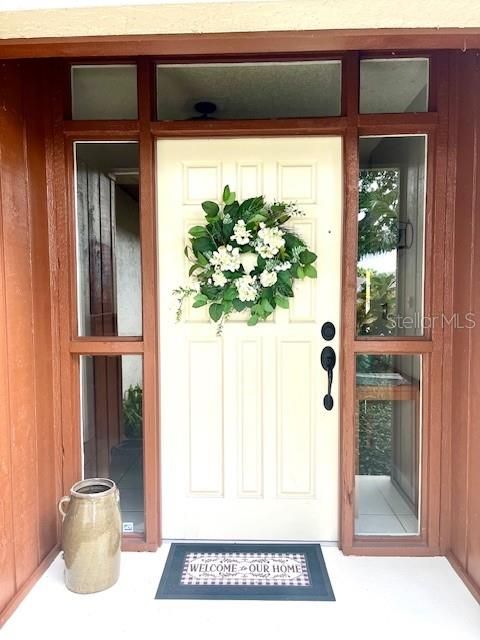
column 92, row 535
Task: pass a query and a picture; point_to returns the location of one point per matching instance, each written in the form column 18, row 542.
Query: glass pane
column 108, row 239
column 394, row 86
column 112, row 421
column 391, row 223
column 104, row 92
column 388, row 444
column 259, row 90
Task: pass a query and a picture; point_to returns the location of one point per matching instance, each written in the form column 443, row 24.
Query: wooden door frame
column 350, row 125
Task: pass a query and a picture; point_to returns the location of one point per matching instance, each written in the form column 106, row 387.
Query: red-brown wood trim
column 436, row 260
column 396, row 345
column 61, row 243
column 27, row 585
column 351, row 86
column 347, row 335
column 409, row 121
column 148, row 235
column 249, row 128
column 101, row 129
column 51, row 135
column 448, row 307
column 137, row 543
column 262, row 42
column 386, row 547
column 472, row 586
column 106, row 347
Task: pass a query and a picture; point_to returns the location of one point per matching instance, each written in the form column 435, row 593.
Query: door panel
column 248, row 450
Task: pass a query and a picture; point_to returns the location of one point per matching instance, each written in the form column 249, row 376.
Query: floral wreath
column 244, row 258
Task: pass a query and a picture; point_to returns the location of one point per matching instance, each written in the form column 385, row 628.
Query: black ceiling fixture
column 205, row 109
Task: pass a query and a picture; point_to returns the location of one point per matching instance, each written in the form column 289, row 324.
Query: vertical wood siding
column 28, row 457
column 465, row 424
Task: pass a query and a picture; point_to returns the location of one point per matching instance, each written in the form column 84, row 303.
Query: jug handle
column 60, row 505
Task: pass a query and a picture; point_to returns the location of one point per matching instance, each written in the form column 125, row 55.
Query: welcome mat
column 245, row 572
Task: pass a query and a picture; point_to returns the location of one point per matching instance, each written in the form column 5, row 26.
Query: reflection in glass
column 249, row 90
column 104, row 92
column 391, row 223
column 112, row 427
column 108, row 239
column 388, row 444
column 394, row 86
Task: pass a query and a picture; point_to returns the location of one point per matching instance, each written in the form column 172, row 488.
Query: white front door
column 248, row 451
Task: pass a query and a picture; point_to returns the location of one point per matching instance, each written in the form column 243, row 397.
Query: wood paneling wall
column 29, row 450
column 465, row 418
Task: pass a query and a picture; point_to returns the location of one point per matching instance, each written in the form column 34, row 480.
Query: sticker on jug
column 128, row 527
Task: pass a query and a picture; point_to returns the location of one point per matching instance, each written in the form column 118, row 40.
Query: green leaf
column 238, row 305
column 285, row 277
column 198, row 231
column 285, row 290
column 291, row 240
column 300, row 272
column 193, row 268
column 230, row 293
column 202, row 261
column 310, row 271
column 202, row 244
column 252, row 321
column 210, row 291
column 257, row 217
column 200, row 300
column 228, row 196
column 227, row 306
column 307, row 257
column 282, row 302
column 215, row 310
column 267, row 307
column 210, row 208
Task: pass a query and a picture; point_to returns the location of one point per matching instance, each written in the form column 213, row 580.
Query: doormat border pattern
column 171, row 587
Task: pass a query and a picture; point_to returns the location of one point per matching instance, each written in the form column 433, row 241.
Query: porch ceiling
column 240, row 16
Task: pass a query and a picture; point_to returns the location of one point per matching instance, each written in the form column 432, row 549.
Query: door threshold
column 324, row 543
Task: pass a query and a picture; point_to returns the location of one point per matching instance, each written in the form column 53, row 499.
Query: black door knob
column 328, row 360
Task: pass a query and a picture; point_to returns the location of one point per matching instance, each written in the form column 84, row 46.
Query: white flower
column 226, row 258
column 265, row 251
column 270, row 241
column 249, row 261
column 268, row 278
column 247, row 291
column 240, row 233
column 283, row 266
column 218, row 279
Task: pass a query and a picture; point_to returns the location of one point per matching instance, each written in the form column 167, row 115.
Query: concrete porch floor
column 376, row 598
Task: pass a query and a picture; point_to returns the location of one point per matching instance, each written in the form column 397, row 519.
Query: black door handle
column 328, row 360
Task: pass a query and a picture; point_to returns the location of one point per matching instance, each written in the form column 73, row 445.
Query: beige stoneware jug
column 91, row 535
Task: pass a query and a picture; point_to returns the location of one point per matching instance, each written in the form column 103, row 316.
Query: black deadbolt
column 328, row 331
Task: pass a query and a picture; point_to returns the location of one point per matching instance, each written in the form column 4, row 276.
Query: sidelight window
column 108, row 239
column 391, row 237
column 388, row 408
